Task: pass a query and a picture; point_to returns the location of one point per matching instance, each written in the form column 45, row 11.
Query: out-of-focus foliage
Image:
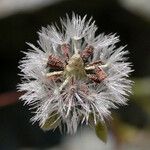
column 11, row 7
column 101, row 131
column 139, row 7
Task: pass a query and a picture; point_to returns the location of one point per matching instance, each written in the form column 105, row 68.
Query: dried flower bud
column 55, row 62
column 65, row 48
column 87, row 52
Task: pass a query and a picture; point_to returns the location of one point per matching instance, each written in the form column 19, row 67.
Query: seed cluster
column 75, row 66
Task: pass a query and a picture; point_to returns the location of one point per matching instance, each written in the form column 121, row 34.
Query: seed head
column 74, row 75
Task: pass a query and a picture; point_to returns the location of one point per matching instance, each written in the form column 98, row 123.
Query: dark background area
column 15, row 129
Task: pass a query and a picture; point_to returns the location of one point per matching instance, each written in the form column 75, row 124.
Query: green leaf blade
column 101, row 131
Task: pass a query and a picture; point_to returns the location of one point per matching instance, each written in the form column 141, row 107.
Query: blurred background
column 19, row 22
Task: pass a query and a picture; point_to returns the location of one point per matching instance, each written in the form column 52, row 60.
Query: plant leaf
column 101, row 131
column 51, row 123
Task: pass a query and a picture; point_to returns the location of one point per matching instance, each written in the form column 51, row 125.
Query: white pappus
column 74, row 74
